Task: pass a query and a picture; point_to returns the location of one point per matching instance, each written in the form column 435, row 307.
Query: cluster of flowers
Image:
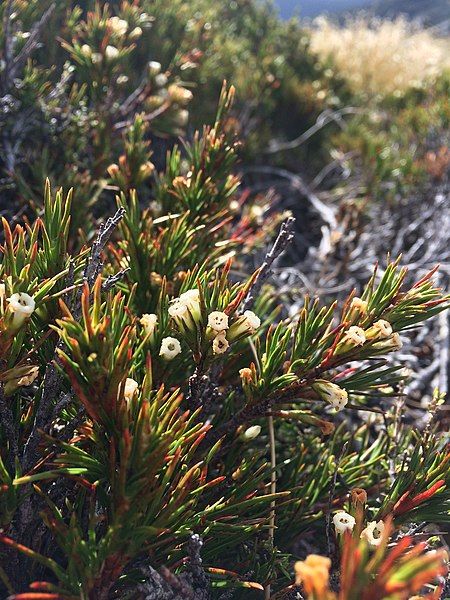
column 118, row 28
column 372, row 533
column 186, row 315
column 381, row 337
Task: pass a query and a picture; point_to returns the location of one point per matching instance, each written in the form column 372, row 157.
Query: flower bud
column 354, row 336
column 343, row 522
column 170, row 347
column 153, row 68
column 86, row 50
column 131, row 387
column 179, row 94
column 358, row 304
column 181, row 118
column 135, row 33
column 111, row 53
column 251, row 433
column 149, row 323
column 96, row 58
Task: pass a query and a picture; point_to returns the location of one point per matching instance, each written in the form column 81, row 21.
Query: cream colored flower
column 190, row 297
column 178, row 309
column 355, row 336
column 153, row 68
column 111, row 52
column 96, row 58
column 251, row 433
column 131, row 387
column 220, row 343
column 343, row 522
column 380, row 330
column 135, row 34
column 331, row 392
column 149, row 323
column 22, row 305
column 358, row 304
column 373, row 533
column 160, row 80
column 2, row 291
column 218, row 321
column 396, row 342
column 170, row 347
column 86, row 50
column 253, row 320
column 118, row 25
column 180, row 95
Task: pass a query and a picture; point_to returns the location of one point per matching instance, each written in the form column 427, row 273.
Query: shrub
column 174, row 435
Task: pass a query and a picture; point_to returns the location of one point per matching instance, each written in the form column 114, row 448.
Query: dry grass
column 380, row 57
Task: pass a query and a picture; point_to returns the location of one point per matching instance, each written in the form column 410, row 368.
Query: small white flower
column 396, row 342
column 190, row 297
column 177, row 309
column 111, row 52
column 118, row 25
column 2, row 291
column 160, row 80
column 170, row 347
column 136, row 33
column 355, row 335
column 358, row 304
column 331, row 392
column 220, row 343
column 154, row 68
column 253, row 320
column 86, row 50
column 149, row 323
column 96, row 58
column 218, row 320
column 343, row 522
column 131, row 387
column 373, row 533
column 382, row 329
column 22, row 305
column 251, row 433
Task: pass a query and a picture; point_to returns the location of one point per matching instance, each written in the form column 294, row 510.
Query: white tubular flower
column 160, row 80
column 149, row 323
column 343, row 522
column 22, row 305
column 253, row 321
column 170, row 347
column 118, row 25
column 111, row 52
column 331, row 392
column 373, row 533
column 86, row 50
column 389, row 344
column 220, row 343
column 190, row 297
column 396, row 342
column 177, row 309
column 358, row 304
column 131, row 387
column 380, row 330
column 218, row 321
column 153, row 68
column 355, row 336
column 2, row 291
column 251, row 433
column 135, row 34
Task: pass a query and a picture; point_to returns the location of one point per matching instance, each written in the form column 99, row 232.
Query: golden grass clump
column 380, row 57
